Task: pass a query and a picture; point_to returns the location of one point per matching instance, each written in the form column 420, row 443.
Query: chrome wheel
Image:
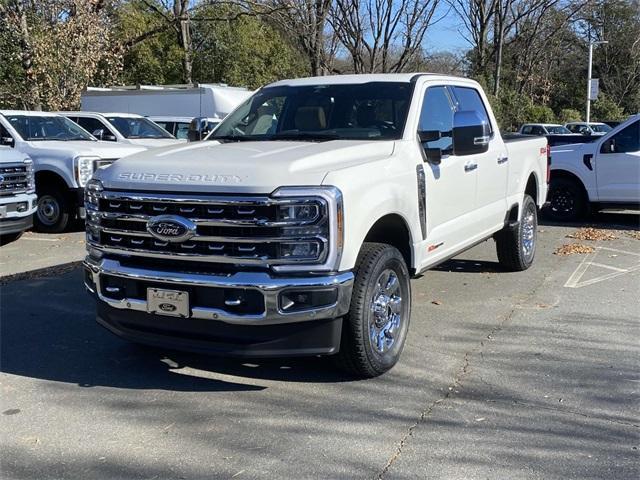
column 385, row 319
column 529, row 233
column 48, row 210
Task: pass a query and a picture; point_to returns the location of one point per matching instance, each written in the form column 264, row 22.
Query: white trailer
column 196, row 100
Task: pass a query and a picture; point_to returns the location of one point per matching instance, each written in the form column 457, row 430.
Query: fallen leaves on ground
column 593, row 234
column 436, row 302
column 573, row 248
column 635, row 235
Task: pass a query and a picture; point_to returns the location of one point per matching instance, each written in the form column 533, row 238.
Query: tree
column 382, row 35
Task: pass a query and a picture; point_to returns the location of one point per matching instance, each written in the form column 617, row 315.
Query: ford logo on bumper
column 171, row 228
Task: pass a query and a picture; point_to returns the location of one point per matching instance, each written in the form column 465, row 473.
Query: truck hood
column 154, row 142
column 249, row 167
column 71, row 149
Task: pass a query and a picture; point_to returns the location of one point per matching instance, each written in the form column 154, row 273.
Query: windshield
column 558, row 130
column 603, row 128
column 374, row 111
column 33, row 128
column 134, row 127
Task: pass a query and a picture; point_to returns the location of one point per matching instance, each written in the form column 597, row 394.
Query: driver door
column 618, row 166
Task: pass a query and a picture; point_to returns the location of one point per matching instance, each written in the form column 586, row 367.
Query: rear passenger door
column 492, row 166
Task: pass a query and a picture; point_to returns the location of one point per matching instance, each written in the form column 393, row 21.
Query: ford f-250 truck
column 602, row 173
column 297, row 229
column 64, row 158
column 17, row 194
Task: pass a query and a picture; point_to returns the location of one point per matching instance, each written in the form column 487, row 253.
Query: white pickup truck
column 296, row 230
column 17, row 194
column 603, row 173
column 64, row 158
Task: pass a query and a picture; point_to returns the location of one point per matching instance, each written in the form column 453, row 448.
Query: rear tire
column 54, row 211
column 516, row 246
column 567, row 200
column 375, row 329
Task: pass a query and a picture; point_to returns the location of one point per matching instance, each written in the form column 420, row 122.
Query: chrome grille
column 14, row 178
column 253, row 230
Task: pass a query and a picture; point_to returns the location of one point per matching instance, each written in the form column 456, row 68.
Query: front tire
column 516, row 246
column 375, row 329
column 53, row 214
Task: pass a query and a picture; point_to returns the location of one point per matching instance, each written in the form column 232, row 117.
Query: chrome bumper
column 270, row 287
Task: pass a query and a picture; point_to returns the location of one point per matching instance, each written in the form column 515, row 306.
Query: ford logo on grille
column 171, row 228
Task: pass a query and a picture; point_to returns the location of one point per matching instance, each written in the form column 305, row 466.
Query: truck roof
column 109, row 114
column 29, row 113
column 360, row 78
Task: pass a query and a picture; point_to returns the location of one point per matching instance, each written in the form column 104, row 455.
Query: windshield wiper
column 236, row 138
column 306, row 136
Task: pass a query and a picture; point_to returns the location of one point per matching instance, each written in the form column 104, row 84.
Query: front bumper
column 13, row 220
column 263, row 327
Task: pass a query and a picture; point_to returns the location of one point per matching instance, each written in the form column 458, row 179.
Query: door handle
column 469, row 167
column 502, row 159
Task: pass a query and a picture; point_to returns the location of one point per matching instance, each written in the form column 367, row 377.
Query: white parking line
column 574, row 279
column 41, row 239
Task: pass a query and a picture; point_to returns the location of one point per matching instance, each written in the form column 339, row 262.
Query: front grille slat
column 15, row 179
column 241, row 230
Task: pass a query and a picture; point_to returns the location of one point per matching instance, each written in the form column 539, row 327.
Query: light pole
column 591, row 44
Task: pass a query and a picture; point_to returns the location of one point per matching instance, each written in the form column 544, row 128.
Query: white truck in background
column 64, row 158
column 296, row 228
column 603, row 173
column 123, row 128
column 18, row 200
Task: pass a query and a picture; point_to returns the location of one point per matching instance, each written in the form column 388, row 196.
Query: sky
column 447, row 33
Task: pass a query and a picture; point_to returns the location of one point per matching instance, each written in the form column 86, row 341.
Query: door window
column 527, row 130
column 468, row 99
column 181, row 130
column 91, row 125
column 626, row 140
column 437, row 114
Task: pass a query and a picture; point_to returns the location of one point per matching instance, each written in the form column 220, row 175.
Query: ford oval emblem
column 167, row 307
column 171, row 228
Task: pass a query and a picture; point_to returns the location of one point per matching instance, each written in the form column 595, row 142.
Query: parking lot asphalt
column 35, row 251
column 505, row 376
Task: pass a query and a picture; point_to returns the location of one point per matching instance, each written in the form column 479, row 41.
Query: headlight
column 92, row 194
column 84, row 167
column 314, row 215
column 31, row 178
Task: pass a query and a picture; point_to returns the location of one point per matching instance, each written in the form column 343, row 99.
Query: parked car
column 600, row 174
column 126, row 128
column 295, row 230
column 543, row 129
column 591, row 128
column 18, row 200
column 180, row 127
column 64, row 157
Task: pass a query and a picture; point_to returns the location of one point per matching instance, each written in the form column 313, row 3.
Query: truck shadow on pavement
column 48, row 331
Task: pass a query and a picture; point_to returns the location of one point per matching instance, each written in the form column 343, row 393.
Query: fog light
column 22, row 207
column 296, row 300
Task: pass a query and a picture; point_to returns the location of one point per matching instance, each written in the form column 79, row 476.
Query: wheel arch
column 393, row 229
column 570, row 176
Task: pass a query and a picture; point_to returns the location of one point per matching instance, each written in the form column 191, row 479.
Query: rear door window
column 91, row 125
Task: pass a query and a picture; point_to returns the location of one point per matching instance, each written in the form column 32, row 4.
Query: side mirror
column 471, row 134
column 99, row 133
column 429, row 136
column 7, row 141
column 198, row 129
column 434, row 155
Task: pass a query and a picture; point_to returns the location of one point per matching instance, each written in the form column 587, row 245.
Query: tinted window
column 625, row 141
column 31, row 127
column 437, row 114
column 527, row 130
column 538, row 131
column 134, row 127
column 4, row 132
column 92, row 124
column 604, row 128
column 468, row 99
column 181, row 130
column 375, row 110
column 168, row 126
